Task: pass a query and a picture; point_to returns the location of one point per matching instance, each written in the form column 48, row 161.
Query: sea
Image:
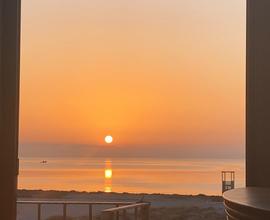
column 132, row 175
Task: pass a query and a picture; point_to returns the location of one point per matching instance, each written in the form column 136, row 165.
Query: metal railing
column 65, row 205
column 141, row 211
column 119, row 212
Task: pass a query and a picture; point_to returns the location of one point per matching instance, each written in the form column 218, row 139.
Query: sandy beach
column 163, row 206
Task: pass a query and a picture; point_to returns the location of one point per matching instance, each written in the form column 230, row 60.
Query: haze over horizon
column 164, row 78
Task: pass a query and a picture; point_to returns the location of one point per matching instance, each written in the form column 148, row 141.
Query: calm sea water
column 185, row 176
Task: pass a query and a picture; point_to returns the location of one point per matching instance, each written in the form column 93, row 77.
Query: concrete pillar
column 9, row 101
column 258, row 94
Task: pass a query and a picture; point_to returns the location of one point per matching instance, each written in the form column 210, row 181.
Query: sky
column 165, row 78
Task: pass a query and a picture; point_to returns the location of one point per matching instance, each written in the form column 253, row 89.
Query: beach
column 163, row 206
column 176, row 188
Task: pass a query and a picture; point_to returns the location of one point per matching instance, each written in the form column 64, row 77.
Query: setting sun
column 108, row 139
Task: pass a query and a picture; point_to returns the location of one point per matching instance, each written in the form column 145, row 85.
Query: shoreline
column 24, row 192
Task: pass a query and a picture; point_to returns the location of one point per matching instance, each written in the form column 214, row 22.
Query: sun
column 108, row 139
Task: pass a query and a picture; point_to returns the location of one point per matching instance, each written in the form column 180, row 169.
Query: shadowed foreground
column 170, row 213
column 163, row 207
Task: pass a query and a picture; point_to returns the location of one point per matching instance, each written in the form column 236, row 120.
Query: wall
column 9, row 99
column 258, row 93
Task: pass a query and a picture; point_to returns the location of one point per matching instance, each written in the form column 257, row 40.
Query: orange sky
column 169, row 73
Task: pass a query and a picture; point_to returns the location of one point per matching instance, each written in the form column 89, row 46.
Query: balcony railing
column 141, row 209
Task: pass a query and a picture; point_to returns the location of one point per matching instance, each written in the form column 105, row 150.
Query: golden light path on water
column 134, row 175
column 108, row 173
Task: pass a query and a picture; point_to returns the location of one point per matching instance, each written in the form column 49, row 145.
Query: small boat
column 43, row 161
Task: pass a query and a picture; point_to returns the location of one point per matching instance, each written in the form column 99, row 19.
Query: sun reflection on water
column 108, row 173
